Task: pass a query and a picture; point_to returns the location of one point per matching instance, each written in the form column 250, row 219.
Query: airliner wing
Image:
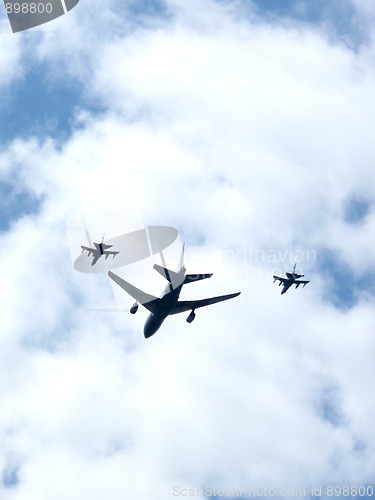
column 150, row 302
column 189, row 305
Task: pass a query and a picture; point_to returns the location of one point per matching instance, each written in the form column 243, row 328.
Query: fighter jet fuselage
column 291, row 279
column 287, row 284
column 99, row 250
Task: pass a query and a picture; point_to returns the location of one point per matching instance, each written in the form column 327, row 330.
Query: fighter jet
column 99, row 250
column 168, row 303
column 291, row 280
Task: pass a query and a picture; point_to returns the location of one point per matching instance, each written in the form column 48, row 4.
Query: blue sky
column 15, row 204
column 132, row 113
column 35, row 106
column 10, row 477
column 344, row 286
column 340, row 14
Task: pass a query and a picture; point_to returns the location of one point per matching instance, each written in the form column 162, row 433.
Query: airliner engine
column 134, row 308
column 191, row 317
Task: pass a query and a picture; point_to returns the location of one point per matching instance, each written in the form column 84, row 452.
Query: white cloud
column 365, row 8
column 241, row 135
column 9, row 58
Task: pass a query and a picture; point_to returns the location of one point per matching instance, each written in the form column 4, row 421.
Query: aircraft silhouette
column 290, row 280
column 99, row 250
column 168, row 303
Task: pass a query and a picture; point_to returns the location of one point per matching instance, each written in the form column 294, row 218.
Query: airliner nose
column 148, row 331
column 152, row 325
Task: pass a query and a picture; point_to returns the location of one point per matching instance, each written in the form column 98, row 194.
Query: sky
column 247, row 126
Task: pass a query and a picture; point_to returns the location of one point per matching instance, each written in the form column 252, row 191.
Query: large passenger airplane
column 168, row 303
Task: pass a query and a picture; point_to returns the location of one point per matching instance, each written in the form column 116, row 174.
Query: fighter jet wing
column 282, row 280
column 90, row 250
column 110, row 252
column 150, row 302
column 298, row 283
column 189, row 305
